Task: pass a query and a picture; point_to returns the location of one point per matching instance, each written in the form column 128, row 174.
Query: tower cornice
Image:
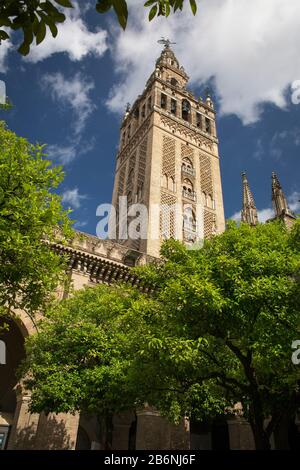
column 186, row 93
column 186, row 124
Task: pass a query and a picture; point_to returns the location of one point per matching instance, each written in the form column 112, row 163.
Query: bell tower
column 168, row 161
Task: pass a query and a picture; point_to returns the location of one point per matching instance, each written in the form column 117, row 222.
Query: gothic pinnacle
column 278, row 198
column 249, row 211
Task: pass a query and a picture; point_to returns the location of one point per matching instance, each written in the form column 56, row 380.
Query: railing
column 190, row 227
column 189, row 233
column 189, row 194
column 188, row 171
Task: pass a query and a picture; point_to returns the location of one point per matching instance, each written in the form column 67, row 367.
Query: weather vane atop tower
column 165, row 41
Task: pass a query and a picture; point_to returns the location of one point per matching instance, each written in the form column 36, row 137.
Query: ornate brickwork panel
column 121, row 180
column 130, row 173
column 168, row 160
column 142, row 166
column 206, row 174
column 209, row 224
column 167, row 218
column 134, row 141
column 187, row 132
column 187, row 152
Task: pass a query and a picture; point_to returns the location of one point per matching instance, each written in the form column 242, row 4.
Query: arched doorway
column 83, row 441
column 211, row 435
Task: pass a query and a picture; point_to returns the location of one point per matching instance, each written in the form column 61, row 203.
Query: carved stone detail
column 187, row 132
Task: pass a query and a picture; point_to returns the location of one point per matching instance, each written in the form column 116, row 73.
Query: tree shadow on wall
column 25, row 438
column 50, row 434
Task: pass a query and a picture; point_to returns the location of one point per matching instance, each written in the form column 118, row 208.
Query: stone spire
column 249, row 211
column 167, row 56
column 279, row 201
column 167, row 66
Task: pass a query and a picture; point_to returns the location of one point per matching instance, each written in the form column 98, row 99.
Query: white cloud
column 65, row 154
column 5, row 46
column 259, row 150
column 279, row 138
column 249, row 47
column 265, row 214
column 73, row 38
column 73, row 198
column 236, row 216
column 294, row 202
column 74, row 93
column 80, row 224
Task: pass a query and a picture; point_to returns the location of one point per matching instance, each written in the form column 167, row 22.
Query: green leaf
column 193, row 6
column 59, row 17
column 149, row 3
column 51, row 24
column 167, row 9
column 53, row 28
column 3, row 35
column 120, row 7
column 103, row 6
column 41, row 32
column 28, row 38
column 178, row 4
column 24, row 48
column 152, row 12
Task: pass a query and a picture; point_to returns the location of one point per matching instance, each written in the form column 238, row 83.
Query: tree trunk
column 261, row 439
column 257, row 422
column 106, row 428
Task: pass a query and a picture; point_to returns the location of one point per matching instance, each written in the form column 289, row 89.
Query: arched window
column 174, row 82
column 185, row 110
column 207, row 125
column 173, row 106
column 163, row 101
column 189, row 220
column 187, row 166
column 164, row 181
column 130, row 177
column 171, row 184
column 189, row 225
column 188, row 186
column 129, row 198
column 140, row 192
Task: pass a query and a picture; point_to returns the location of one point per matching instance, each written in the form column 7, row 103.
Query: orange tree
column 30, row 213
column 217, row 330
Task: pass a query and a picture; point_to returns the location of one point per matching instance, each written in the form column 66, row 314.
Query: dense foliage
column 217, row 331
column 30, row 214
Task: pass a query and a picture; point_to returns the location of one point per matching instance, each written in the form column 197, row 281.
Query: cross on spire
column 166, row 42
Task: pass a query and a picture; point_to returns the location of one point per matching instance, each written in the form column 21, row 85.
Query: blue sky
column 71, row 92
